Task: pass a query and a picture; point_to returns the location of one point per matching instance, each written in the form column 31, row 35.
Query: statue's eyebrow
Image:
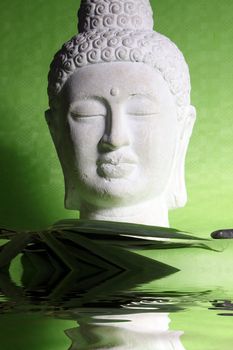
column 88, row 102
column 86, row 99
column 148, row 96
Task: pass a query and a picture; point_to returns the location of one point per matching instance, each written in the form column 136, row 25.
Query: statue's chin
column 115, row 194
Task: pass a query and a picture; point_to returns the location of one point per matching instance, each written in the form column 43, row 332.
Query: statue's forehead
column 111, row 78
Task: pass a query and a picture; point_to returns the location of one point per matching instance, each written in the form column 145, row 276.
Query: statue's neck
column 152, row 213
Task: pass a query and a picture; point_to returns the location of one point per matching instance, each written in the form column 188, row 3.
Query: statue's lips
column 113, row 168
column 115, row 171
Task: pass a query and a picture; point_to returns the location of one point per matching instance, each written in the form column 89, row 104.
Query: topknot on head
column 119, row 31
column 115, row 14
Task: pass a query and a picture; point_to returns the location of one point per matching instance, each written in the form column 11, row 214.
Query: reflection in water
column 225, row 307
column 73, row 267
column 97, row 278
column 147, row 331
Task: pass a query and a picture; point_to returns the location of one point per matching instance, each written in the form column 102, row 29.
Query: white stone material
column 120, row 116
column 135, row 331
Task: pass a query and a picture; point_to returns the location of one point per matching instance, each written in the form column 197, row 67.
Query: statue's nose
column 116, row 133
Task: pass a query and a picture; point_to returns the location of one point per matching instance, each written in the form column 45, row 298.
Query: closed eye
column 142, row 114
column 77, row 115
column 142, row 106
column 88, row 108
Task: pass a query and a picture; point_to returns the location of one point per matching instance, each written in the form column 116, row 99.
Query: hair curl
column 94, row 47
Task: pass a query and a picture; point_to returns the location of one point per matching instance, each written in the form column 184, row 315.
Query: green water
column 109, row 287
column 203, row 322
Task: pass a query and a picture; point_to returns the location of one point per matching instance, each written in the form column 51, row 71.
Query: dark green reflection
column 70, row 265
column 88, row 271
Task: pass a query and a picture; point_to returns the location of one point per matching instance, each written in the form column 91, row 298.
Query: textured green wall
column 31, row 182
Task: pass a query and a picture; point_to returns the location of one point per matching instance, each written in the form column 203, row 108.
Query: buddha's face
column 116, row 134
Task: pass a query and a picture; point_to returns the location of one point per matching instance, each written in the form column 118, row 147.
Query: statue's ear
column 52, row 124
column 71, row 195
column 176, row 193
column 50, row 120
column 48, row 114
column 189, row 117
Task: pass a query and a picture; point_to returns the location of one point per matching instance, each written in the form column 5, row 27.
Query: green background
column 31, row 181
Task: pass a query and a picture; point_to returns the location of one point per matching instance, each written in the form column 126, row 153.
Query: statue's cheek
column 86, row 132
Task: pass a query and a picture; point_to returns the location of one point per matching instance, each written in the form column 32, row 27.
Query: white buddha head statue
column 120, row 115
